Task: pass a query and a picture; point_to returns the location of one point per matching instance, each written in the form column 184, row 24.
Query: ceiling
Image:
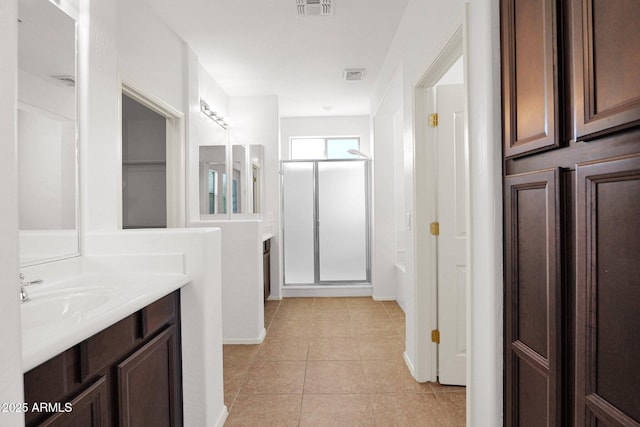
column 262, row 47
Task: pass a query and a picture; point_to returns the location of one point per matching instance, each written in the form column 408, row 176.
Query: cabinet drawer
column 107, row 346
column 158, row 314
column 50, row 382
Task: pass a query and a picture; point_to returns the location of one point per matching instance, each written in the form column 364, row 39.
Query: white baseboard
column 223, row 417
column 246, row 341
column 377, row 298
column 328, row 291
column 407, row 361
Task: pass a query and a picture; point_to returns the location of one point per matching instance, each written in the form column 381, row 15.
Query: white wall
column 425, row 28
column 389, row 210
column 150, row 55
column 201, row 131
column 383, row 218
column 485, row 299
column 254, row 120
column 10, row 350
column 125, row 40
column 242, row 283
column 98, row 125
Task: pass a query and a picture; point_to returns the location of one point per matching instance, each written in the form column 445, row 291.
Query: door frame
column 426, row 177
column 175, row 146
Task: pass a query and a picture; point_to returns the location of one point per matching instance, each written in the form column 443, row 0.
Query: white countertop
column 103, row 299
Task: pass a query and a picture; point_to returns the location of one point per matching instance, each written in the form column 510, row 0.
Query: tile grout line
column 354, row 337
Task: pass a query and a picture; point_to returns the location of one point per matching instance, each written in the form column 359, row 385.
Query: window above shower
column 328, row 148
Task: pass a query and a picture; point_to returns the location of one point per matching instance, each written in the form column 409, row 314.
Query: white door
column 452, row 207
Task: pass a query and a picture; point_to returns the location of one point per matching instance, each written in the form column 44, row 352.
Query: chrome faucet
column 24, row 297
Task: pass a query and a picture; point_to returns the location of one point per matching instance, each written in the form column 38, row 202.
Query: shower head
column 357, row 153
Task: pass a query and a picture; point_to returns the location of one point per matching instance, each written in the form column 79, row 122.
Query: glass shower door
column 342, row 221
column 299, row 222
column 325, row 214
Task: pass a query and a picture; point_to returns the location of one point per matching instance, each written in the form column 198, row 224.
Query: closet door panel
column 606, row 60
column 608, row 293
column 531, row 113
column 533, row 298
column 532, row 396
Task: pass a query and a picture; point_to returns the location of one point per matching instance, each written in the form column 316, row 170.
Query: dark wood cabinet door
column 533, row 301
column 608, row 293
column 606, row 65
column 530, row 69
column 89, row 409
column 266, row 269
column 149, row 393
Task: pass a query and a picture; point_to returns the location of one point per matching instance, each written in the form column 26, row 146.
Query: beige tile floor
column 333, row 362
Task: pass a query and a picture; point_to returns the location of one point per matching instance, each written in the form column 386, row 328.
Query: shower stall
column 326, row 222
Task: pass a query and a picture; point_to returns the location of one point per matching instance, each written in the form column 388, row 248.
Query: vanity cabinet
column 127, row 375
column 147, row 393
column 90, row 408
column 266, row 267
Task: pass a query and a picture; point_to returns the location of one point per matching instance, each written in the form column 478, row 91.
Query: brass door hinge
column 433, row 120
column 434, row 227
column 435, row 336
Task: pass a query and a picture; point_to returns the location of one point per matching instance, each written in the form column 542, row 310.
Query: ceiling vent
column 66, row 79
column 314, row 7
column 354, row 74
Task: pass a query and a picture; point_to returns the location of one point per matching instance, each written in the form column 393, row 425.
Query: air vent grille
column 314, row 7
column 354, row 74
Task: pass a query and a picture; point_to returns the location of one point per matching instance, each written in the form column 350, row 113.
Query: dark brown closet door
column 531, row 114
column 533, row 299
column 608, row 293
column 606, row 65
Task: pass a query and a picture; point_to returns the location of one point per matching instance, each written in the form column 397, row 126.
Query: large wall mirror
column 213, row 180
column 230, row 186
column 47, row 132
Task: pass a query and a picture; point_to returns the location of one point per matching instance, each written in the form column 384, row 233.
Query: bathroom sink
column 61, row 305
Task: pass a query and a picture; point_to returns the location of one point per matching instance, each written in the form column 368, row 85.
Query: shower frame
column 316, row 233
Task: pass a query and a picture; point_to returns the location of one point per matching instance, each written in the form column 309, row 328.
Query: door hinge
column 435, row 336
column 433, row 120
column 434, row 227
